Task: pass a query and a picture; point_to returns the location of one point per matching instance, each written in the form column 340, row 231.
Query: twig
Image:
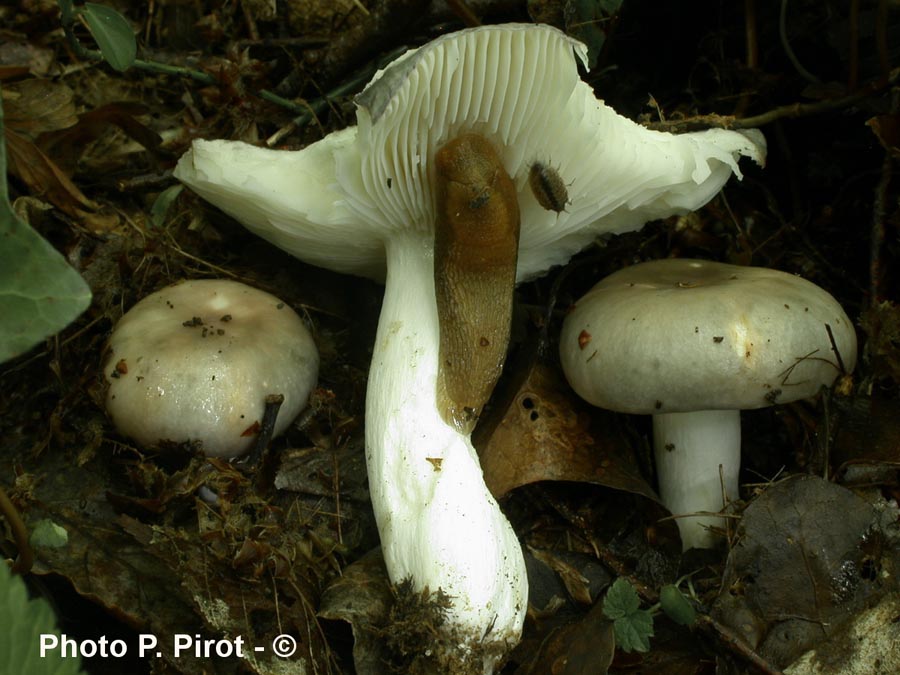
column 791, row 110
column 266, row 428
column 881, row 24
column 834, row 348
column 313, row 108
column 464, row 12
column 879, row 210
column 25, row 556
column 853, row 36
column 786, row 43
column 750, row 34
column 735, row 643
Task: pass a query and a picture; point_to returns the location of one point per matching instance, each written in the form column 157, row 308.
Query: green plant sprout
column 633, row 626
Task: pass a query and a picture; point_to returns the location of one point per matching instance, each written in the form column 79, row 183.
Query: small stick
column 267, row 428
column 25, row 558
column 735, row 643
column 788, row 111
column 834, row 348
column 464, row 12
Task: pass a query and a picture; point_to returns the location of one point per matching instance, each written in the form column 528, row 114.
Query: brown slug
column 476, row 246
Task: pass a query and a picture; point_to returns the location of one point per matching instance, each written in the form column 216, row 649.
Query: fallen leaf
column 548, row 433
column 582, row 647
column 34, row 106
column 809, row 554
column 44, row 179
column 362, row 597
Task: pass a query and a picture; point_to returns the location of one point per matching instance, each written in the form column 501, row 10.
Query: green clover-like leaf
column 632, row 625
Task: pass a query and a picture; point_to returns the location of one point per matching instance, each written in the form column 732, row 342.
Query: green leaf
column 676, row 606
column 633, row 632
column 24, row 622
column 39, row 293
column 47, row 533
column 162, row 203
column 621, row 600
column 113, row 34
column 633, row 626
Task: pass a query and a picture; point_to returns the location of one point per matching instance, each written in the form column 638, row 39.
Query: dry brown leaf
column 548, row 433
column 809, row 555
column 68, row 145
column 43, row 177
column 33, row 107
column 582, row 647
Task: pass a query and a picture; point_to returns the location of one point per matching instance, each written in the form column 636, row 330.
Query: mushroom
column 369, row 200
column 195, row 362
column 693, row 343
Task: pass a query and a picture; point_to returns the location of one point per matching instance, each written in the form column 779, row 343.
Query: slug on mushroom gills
column 476, row 245
column 548, row 187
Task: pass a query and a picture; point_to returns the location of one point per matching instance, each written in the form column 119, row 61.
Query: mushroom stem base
column 690, row 448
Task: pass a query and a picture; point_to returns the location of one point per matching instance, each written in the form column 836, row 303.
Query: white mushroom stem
column 438, row 522
column 690, row 448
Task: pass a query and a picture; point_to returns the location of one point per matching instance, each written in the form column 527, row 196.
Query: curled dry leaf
column 548, row 433
column 33, row 107
column 43, row 177
column 362, row 597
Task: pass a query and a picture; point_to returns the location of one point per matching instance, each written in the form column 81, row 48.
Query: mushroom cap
column 685, row 335
column 334, row 203
column 196, row 360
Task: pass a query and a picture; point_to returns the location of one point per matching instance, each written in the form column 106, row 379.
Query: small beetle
column 548, row 187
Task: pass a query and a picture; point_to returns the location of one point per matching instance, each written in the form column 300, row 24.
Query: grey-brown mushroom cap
column 196, row 360
column 685, row 335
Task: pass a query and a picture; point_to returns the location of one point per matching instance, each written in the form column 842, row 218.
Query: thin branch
column 25, row 557
column 791, row 110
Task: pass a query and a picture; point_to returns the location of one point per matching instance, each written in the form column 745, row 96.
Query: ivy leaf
column 24, row 621
column 632, row 625
column 40, row 294
column 113, row 34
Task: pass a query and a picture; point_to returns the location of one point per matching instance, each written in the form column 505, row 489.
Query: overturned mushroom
column 366, row 200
